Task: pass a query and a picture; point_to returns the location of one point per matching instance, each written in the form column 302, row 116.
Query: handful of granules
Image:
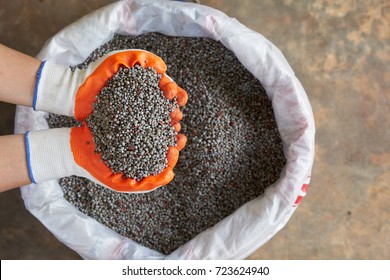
column 130, row 123
column 233, row 153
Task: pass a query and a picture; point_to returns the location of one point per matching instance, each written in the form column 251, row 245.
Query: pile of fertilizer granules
column 234, row 150
column 130, row 123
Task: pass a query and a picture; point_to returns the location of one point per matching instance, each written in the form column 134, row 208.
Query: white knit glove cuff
column 55, row 89
column 49, row 155
column 56, row 86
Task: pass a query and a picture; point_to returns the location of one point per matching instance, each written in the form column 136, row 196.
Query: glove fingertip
column 181, row 140
column 170, row 90
column 176, row 115
column 182, row 97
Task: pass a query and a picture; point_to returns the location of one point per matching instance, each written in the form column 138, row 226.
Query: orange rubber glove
column 85, row 162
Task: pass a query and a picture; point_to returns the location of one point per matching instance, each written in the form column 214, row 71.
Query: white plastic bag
column 253, row 224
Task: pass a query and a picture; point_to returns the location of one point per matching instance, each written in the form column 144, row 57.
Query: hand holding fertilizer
column 129, row 108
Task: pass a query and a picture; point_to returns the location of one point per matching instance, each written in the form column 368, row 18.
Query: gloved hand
column 62, row 152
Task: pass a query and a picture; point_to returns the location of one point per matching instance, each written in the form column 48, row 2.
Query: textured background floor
column 340, row 50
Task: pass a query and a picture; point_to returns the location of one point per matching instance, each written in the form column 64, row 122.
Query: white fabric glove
column 49, row 156
column 57, row 85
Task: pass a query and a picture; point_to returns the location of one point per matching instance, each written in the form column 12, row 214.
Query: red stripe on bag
column 303, row 192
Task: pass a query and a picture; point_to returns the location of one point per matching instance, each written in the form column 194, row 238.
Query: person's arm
column 17, row 76
column 17, row 82
column 13, row 164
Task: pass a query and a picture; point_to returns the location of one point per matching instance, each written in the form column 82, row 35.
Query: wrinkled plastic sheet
column 253, row 224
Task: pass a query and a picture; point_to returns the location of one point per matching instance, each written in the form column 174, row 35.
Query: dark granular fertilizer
column 234, row 150
column 130, row 123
